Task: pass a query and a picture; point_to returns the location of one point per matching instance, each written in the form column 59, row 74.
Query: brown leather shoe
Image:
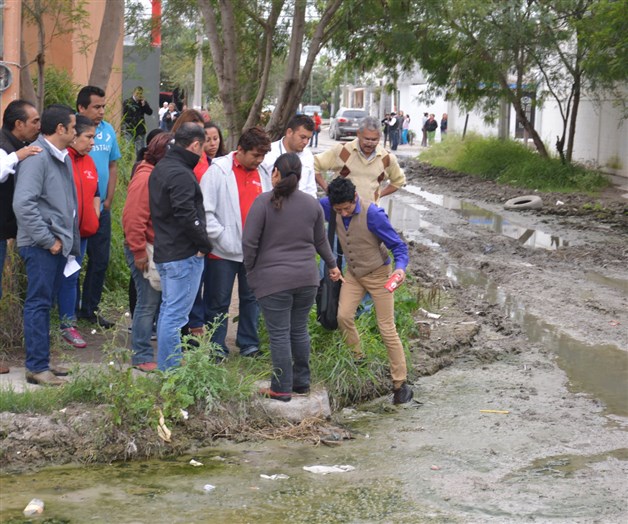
column 45, row 378
column 4, row 370
column 59, row 371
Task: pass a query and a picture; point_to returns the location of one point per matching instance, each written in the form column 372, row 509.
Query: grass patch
column 510, row 162
column 133, row 400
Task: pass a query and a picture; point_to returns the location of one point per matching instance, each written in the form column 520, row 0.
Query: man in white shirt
column 298, row 133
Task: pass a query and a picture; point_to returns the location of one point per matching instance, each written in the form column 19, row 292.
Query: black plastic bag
column 328, row 293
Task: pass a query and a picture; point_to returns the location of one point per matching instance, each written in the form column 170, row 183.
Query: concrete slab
column 301, row 407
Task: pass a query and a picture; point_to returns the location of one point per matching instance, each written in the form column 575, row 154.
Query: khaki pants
column 351, row 294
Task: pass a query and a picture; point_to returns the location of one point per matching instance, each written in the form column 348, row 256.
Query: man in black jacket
column 20, row 127
column 181, row 242
column 133, row 121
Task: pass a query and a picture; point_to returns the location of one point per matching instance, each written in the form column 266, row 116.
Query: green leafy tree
column 482, row 53
column 50, row 18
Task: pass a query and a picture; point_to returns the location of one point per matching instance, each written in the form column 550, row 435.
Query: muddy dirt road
column 525, row 421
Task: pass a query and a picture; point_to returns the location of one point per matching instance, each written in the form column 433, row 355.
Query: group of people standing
column 58, row 177
column 396, row 128
column 196, row 218
column 430, row 125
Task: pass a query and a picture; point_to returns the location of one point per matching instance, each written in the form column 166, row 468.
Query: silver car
column 346, row 123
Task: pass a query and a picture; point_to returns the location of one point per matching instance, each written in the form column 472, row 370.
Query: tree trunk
column 27, row 89
column 574, row 115
column 110, row 32
column 266, row 62
column 296, row 80
column 225, row 60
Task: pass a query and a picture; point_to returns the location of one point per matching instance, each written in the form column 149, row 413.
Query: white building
column 601, row 135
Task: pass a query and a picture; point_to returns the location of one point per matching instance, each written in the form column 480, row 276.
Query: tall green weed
column 510, row 162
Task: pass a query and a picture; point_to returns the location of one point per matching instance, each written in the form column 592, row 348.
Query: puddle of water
column 599, row 370
column 480, row 217
column 172, row 491
column 615, row 283
column 568, row 465
column 406, row 215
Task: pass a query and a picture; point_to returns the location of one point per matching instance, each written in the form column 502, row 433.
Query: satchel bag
column 328, row 293
column 151, row 274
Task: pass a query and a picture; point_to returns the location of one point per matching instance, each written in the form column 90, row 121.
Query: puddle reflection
column 599, row 370
column 480, row 217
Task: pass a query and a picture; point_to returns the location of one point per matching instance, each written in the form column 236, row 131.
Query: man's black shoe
column 97, row 319
column 402, row 395
column 104, row 323
column 301, row 390
column 250, row 352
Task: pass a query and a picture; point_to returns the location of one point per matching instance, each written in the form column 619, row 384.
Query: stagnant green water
column 173, row 490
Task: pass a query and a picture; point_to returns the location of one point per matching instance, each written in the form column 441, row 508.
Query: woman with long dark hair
column 139, row 235
column 214, row 147
column 284, row 230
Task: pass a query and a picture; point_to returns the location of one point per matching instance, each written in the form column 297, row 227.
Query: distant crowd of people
column 196, row 217
column 396, row 129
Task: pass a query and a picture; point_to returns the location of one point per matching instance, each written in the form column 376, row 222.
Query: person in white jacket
column 229, row 187
column 298, row 134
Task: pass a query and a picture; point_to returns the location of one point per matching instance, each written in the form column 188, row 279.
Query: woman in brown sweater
column 284, row 230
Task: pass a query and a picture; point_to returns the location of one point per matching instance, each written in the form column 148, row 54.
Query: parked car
column 309, row 110
column 346, row 123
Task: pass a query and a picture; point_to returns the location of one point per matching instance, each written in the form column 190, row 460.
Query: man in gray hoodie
column 45, row 205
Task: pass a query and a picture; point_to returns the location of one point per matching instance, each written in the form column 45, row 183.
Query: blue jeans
column 146, row 308
column 179, row 283
column 98, row 250
column 219, row 278
column 68, row 296
column 314, row 139
column 286, row 314
column 3, row 255
column 44, row 272
column 197, row 315
column 394, row 139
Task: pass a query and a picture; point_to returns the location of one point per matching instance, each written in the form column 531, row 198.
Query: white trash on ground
column 323, row 470
column 276, row 476
column 34, row 507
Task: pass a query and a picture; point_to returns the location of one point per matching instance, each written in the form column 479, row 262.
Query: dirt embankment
column 577, row 287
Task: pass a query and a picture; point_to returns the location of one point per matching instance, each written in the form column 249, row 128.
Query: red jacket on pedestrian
column 136, row 219
column 86, row 182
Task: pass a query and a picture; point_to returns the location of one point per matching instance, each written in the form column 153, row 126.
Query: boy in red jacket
column 88, row 211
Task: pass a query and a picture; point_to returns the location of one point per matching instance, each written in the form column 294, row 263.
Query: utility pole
column 197, row 99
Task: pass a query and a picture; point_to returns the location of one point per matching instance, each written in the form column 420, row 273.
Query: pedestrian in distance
column 134, row 110
column 430, row 127
column 317, row 129
column 284, row 231
column 443, row 127
column 423, row 130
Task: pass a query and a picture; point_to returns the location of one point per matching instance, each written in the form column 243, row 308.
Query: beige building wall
column 74, row 52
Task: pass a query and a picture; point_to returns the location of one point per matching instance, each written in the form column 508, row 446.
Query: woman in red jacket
column 88, row 210
column 138, row 239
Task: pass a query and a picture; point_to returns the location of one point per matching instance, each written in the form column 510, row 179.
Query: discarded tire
column 524, row 202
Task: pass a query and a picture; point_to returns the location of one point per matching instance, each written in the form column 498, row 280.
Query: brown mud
column 579, row 289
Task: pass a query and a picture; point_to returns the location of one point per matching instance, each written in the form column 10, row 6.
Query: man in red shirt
column 229, row 188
